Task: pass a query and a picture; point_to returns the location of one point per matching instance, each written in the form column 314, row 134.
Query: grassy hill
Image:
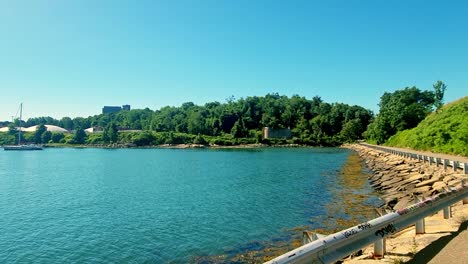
column 444, row 131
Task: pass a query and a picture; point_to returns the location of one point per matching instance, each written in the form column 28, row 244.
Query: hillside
column 444, row 131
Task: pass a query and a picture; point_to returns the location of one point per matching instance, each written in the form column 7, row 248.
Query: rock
column 428, row 182
column 454, row 183
column 391, row 182
column 414, row 177
column 422, row 190
column 439, row 186
column 447, row 179
column 402, row 203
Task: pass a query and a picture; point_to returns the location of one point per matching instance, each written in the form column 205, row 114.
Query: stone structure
column 276, row 133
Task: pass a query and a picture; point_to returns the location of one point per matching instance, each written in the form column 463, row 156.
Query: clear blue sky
column 69, row 58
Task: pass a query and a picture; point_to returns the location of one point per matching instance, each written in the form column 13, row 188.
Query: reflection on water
column 352, row 202
column 353, row 199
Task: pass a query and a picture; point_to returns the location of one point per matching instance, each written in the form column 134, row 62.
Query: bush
column 95, row 139
column 56, row 137
column 143, row 138
column 199, row 140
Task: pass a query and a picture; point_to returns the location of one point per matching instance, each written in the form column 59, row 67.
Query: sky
column 70, row 58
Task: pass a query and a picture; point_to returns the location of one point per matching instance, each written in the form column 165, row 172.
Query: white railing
column 336, row 246
column 455, row 164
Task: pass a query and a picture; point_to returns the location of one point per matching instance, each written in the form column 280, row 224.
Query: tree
column 439, row 90
column 38, row 134
column 66, row 123
column 239, row 130
column 400, row 110
column 79, row 137
column 46, row 137
column 110, row 133
column 351, row 131
column 57, row 137
column 12, row 130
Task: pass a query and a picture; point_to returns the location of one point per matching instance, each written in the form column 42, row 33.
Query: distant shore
column 179, row 146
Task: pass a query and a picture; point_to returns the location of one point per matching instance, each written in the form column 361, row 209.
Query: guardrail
column 341, row 244
column 455, row 164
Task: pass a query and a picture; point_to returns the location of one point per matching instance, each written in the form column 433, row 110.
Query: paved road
column 456, row 251
column 451, row 249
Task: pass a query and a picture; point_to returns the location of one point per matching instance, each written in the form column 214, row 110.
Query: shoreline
column 400, row 181
column 183, row 146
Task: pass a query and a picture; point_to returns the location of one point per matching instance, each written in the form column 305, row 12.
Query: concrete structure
column 276, row 133
column 114, row 109
column 94, row 130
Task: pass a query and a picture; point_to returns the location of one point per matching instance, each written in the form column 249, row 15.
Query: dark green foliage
column 239, row 130
column 352, row 131
column 445, row 131
column 27, row 137
column 312, row 122
column 12, row 129
column 79, row 137
column 400, row 110
column 57, row 137
column 38, row 134
column 7, row 139
column 110, row 133
column 46, row 136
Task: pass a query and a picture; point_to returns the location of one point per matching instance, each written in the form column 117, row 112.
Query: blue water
column 155, row 205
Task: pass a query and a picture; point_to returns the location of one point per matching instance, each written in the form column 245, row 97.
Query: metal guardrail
column 455, row 164
column 341, row 244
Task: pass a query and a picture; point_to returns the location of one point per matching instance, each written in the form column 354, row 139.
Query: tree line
column 312, row 121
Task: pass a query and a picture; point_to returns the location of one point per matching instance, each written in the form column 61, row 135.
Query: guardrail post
column 306, row 238
column 379, row 245
column 465, row 168
column 379, row 248
column 430, row 160
column 455, row 165
column 438, row 162
column 447, row 212
column 446, row 162
column 420, row 224
column 465, row 200
column 420, row 227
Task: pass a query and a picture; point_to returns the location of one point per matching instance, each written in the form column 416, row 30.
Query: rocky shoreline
column 401, row 181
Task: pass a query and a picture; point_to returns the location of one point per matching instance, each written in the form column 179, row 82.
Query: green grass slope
column 444, row 131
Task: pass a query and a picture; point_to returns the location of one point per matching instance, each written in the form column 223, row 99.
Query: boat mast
column 19, row 132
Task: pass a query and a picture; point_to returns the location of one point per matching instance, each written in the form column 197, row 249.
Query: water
column 156, row 205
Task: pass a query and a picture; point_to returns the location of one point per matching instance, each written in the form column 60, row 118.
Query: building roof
column 50, row 128
column 5, row 129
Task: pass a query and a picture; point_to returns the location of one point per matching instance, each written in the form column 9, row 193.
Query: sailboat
column 19, row 146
